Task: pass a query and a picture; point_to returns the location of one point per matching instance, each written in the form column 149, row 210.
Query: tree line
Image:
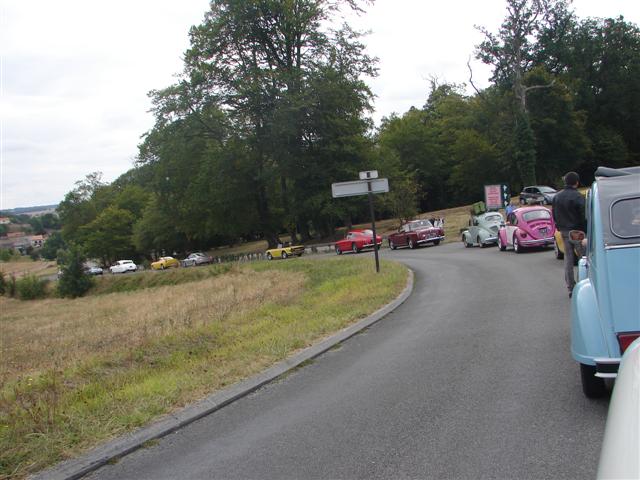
column 273, row 106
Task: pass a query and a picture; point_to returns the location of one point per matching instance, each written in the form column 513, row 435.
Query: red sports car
column 357, row 240
column 415, row 233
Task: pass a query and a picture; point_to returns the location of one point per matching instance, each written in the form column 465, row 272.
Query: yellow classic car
column 285, row 252
column 165, row 262
column 558, row 248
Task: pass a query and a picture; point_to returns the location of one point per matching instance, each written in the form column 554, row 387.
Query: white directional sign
column 359, row 187
column 368, row 174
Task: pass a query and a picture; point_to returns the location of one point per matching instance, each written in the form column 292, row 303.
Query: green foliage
column 108, row 236
column 73, row 282
column 3, row 283
column 52, row 244
column 30, row 287
column 3, row 230
column 5, row 254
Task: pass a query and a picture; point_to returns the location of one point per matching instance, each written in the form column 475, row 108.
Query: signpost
column 496, row 196
column 368, row 184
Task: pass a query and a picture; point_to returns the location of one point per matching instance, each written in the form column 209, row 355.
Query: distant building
column 5, row 221
column 36, row 240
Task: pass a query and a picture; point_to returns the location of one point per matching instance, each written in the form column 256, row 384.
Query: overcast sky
column 74, row 75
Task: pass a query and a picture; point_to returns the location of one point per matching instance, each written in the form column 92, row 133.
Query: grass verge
column 78, row 372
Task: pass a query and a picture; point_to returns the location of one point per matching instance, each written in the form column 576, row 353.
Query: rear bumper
column 537, row 242
column 607, row 367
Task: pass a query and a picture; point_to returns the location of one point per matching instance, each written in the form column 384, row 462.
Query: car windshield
column 367, row 232
column 547, row 190
column 542, row 214
column 625, row 218
column 420, row 224
column 493, row 218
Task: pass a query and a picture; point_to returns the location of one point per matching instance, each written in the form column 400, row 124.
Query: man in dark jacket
column 568, row 214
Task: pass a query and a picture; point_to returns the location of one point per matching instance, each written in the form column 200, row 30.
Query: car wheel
column 592, row 386
column 269, row 256
column 411, row 244
column 392, row 245
column 501, row 245
column 516, row 244
column 436, row 242
column 522, row 201
column 284, row 255
column 556, row 250
column 338, row 251
column 482, row 245
column 354, row 248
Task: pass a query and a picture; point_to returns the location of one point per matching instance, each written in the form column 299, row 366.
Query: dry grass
column 27, row 267
column 63, row 332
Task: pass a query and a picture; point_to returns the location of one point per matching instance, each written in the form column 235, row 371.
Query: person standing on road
column 568, row 214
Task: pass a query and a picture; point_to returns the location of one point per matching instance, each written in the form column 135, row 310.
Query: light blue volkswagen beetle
column 483, row 230
column 605, row 307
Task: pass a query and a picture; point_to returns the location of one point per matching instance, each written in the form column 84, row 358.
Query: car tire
column 411, row 244
column 285, row 255
column 338, row 251
column 522, row 201
column 516, row 244
column 557, row 252
column 592, row 386
column 269, row 256
column 354, row 248
column 162, row 267
column 436, row 242
column 501, row 245
column 392, row 245
column 482, row 245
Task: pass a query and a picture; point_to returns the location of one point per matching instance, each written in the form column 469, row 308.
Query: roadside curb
column 78, row 467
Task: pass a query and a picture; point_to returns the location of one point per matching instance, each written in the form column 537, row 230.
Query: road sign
column 496, row 196
column 368, row 174
column 359, row 187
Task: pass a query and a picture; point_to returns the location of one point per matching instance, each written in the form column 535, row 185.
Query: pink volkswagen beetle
column 527, row 227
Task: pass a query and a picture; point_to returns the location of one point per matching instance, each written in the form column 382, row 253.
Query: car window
column 493, row 218
column 532, row 215
column 547, row 190
column 625, row 218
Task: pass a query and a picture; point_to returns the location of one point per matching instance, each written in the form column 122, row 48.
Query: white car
column 619, row 456
column 197, row 258
column 123, row 266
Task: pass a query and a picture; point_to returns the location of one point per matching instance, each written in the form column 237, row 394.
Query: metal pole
column 373, row 226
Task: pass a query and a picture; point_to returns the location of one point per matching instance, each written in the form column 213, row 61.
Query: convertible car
column 527, row 227
column 285, row 252
column 483, row 230
column 605, row 304
column 357, row 240
column 415, row 233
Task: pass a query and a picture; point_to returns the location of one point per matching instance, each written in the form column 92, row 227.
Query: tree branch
column 480, row 94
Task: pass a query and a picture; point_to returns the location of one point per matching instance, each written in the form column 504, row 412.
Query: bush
column 10, row 287
column 5, row 254
column 3, row 283
column 30, row 288
column 73, row 282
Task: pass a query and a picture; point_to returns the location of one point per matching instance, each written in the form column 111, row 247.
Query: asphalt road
column 470, row 378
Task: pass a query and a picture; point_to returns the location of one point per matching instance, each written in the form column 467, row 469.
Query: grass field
column 21, row 268
column 77, row 372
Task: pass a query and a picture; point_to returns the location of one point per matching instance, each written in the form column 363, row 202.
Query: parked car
column 123, row 266
column 527, row 227
column 165, row 262
column 537, row 194
column 196, row 258
column 483, row 229
column 558, row 247
column 93, row 270
column 285, row 251
column 357, row 240
column 605, row 304
column 415, row 233
column 621, row 442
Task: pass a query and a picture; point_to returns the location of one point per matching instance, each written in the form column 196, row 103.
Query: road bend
column 470, row 378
